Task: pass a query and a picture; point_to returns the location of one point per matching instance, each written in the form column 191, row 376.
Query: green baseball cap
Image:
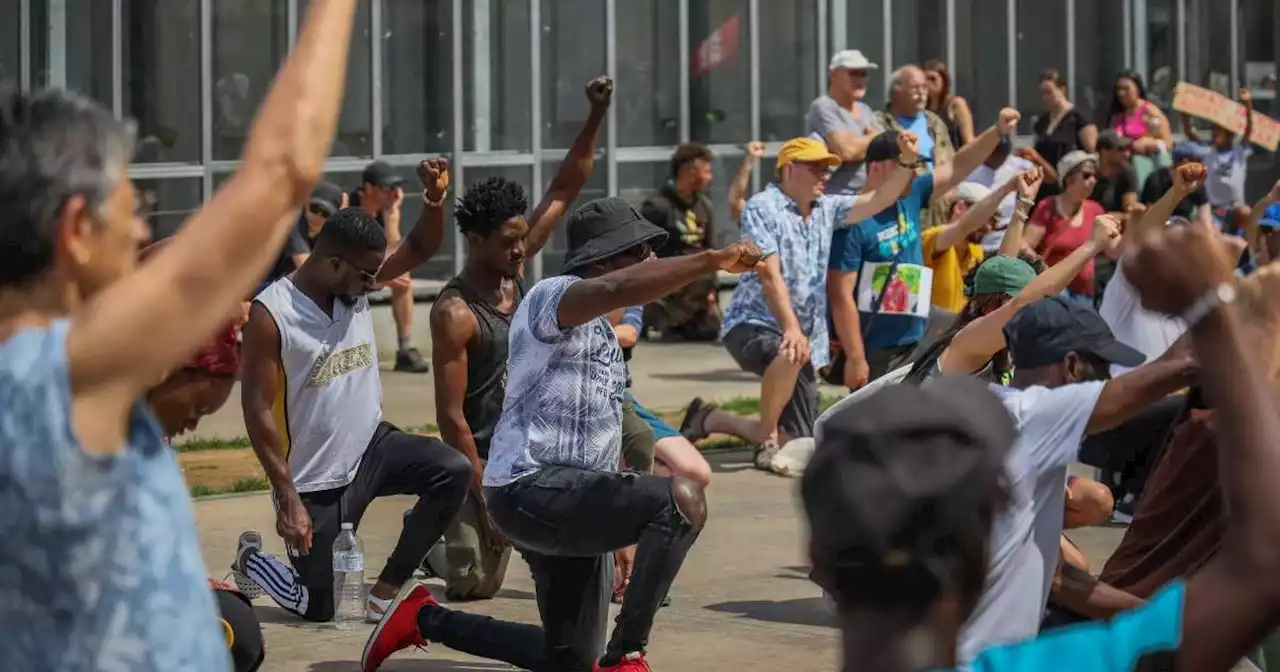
column 1002, row 275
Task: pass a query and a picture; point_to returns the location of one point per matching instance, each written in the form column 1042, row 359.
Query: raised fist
column 1246, row 96
column 1189, row 176
column 434, row 175
column 1106, row 229
column 755, row 149
column 1173, row 268
column 1028, row 182
column 1008, row 120
column 908, row 147
column 740, row 257
column 600, row 91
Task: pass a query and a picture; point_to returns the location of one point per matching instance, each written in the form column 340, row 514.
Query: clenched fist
column 1106, row 231
column 740, row 257
column 1173, row 268
column 600, row 92
column 908, row 147
column 434, row 176
column 1008, row 120
column 1189, row 176
column 1028, row 182
column 755, row 149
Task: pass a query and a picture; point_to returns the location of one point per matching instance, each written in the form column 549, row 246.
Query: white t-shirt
column 1148, row 332
column 992, row 178
column 564, row 392
column 1024, row 539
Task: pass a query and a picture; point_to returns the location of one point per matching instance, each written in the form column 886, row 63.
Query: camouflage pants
column 474, row 571
column 687, row 312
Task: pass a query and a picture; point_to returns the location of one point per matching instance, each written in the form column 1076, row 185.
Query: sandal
column 692, row 427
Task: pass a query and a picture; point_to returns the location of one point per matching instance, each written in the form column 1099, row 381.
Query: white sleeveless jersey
column 330, row 398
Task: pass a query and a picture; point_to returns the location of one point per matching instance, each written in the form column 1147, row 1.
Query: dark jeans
column 396, row 463
column 753, row 347
column 565, row 521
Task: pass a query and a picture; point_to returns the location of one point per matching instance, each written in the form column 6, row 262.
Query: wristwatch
column 1219, row 296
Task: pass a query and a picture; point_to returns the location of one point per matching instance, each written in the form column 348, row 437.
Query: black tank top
column 486, row 362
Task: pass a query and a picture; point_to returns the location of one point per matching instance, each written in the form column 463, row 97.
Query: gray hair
column 53, row 145
column 895, row 80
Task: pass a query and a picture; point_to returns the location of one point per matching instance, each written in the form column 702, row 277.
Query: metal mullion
column 753, row 37
column 1071, row 49
column 535, row 110
column 375, row 74
column 291, row 22
column 1180, row 20
column 1011, row 46
column 611, row 68
column 1127, row 19
column 459, row 130
column 497, row 159
column 24, row 45
column 1235, row 47
column 117, row 58
column 206, row 94
column 951, row 35
column 823, row 42
column 685, row 121
column 887, row 19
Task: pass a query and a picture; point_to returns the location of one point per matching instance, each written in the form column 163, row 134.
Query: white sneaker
column 375, row 609
column 249, row 542
column 792, row 458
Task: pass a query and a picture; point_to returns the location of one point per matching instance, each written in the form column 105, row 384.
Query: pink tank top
column 1134, row 124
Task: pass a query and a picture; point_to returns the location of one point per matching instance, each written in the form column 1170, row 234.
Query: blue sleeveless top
column 100, row 566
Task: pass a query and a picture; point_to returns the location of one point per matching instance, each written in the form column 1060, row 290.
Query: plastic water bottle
column 348, row 579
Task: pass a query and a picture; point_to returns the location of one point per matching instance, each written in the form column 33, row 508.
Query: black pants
column 395, row 463
column 565, row 522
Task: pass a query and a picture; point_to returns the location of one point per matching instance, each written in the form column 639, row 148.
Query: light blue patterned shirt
column 100, row 566
column 773, row 222
column 564, row 392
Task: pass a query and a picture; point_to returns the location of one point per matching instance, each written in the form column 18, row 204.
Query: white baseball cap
column 851, row 59
column 971, row 192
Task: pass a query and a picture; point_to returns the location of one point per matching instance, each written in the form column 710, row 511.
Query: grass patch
column 241, row 485
column 211, row 443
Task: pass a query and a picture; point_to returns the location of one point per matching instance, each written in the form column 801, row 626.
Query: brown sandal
column 692, row 427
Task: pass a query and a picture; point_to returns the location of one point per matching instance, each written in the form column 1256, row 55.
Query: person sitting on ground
column 1062, row 391
column 874, row 340
column 1195, row 207
column 312, row 400
column 776, row 325
column 902, row 505
column 470, row 320
column 683, row 209
column 553, row 481
column 952, row 251
column 1061, row 224
column 102, row 561
column 1228, row 164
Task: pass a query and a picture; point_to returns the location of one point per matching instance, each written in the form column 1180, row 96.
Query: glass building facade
column 497, row 85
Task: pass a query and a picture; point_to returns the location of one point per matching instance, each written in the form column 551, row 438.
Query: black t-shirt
column 298, row 242
column 1110, row 191
column 1053, row 146
column 1160, row 181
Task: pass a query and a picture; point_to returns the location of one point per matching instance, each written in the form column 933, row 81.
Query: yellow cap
column 806, row 150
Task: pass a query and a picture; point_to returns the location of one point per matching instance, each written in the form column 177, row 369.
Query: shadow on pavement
column 812, row 611
column 413, row 666
column 730, row 460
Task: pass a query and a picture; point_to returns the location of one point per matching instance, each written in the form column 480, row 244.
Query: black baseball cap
column 1045, row 331
column 1109, row 139
column 327, row 196
column 381, row 174
column 883, row 147
column 896, row 484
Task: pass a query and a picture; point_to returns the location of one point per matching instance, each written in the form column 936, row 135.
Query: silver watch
column 1219, row 296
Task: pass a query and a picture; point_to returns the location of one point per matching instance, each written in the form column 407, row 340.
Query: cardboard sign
column 1198, row 101
column 909, row 292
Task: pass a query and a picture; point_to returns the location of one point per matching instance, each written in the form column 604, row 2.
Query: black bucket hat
column 604, row 227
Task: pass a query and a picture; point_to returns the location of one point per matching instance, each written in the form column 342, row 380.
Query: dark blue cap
column 1270, row 217
column 1045, row 331
column 1190, row 150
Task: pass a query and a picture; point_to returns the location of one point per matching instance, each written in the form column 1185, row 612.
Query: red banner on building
column 720, row 47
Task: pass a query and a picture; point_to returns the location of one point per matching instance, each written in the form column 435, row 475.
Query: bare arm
column 1246, row 98
column 191, row 286
column 1186, row 179
column 647, row 281
column 742, row 180
column 1124, row 397
column 1188, row 130
column 574, row 171
column 849, row 147
column 260, row 382
column 1163, row 132
column 1258, row 246
column 453, row 326
column 1086, row 596
column 844, row 312
column 1013, row 241
column 868, row 203
column 1088, row 139
column 420, row 245
column 963, row 117
column 967, row 160
column 977, row 216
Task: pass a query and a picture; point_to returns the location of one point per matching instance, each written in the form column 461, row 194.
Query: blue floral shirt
column 100, row 566
column 772, row 221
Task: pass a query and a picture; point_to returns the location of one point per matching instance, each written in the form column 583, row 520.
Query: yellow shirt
column 949, row 269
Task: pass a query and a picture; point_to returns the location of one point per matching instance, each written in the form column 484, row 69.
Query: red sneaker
column 632, row 662
column 398, row 628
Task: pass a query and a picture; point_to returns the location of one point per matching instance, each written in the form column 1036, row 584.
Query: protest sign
column 1210, row 105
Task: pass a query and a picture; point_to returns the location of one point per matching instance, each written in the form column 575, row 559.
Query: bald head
column 908, row 92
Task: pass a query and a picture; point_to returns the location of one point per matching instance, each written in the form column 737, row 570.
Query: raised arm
column 742, row 180
column 974, row 218
column 138, row 329
column 574, row 171
column 870, row 202
column 1186, row 179
column 1234, row 601
column 261, row 384
column 1028, row 187
column 1127, row 395
column 979, row 340
column 947, row 176
column 1085, row 595
column 425, row 239
column 1189, row 130
column 648, row 281
column 1246, row 99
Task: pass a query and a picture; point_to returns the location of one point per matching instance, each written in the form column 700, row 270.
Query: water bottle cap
column 348, row 526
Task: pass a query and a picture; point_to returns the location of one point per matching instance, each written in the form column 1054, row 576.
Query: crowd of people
column 996, row 314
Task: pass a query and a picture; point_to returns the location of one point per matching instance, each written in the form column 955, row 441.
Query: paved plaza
column 742, row 602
